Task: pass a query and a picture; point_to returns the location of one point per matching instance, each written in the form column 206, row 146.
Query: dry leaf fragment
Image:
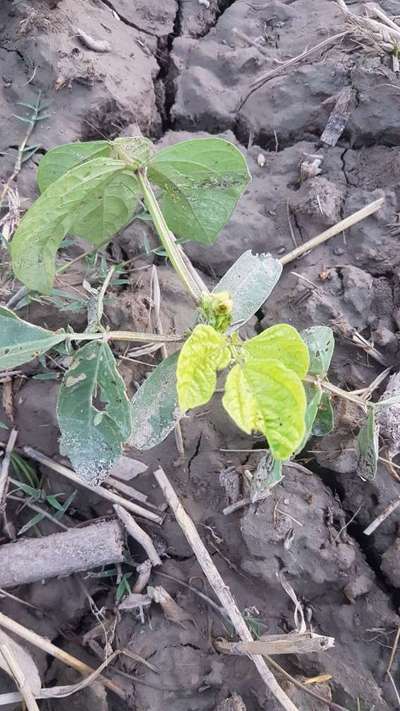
column 172, row 611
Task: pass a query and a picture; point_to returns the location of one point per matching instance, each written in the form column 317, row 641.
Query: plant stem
column 124, row 336
column 167, row 238
column 337, row 391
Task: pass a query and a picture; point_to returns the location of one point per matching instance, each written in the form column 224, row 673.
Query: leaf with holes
column 99, row 197
column 204, row 352
column 94, row 412
column 155, row 406
column 21, row 342
column 283, row 343
column 249, row 282
column 201, row 180
column 368, row 447
column 267, row 475
column 325, row 418
column 321, row 344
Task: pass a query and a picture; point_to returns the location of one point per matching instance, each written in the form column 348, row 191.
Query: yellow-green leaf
column 282, row 343
column 281, row 401
column 239, row 402
column 204, row 352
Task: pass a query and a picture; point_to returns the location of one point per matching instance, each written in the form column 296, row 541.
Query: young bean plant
column 274, row 382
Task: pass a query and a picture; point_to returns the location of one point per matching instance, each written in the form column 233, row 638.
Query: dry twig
column 100, row 490
column 46, row 646
column 220, row 588
column 138, row 534
column 5, row 465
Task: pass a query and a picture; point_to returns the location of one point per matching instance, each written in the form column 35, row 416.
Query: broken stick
column 32, row 559
column 100, row 490
column 221, row 590
column 138, row 534
column 293, row 643
column 46, row 646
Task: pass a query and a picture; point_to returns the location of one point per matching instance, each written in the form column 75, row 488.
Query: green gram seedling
column 92, row 190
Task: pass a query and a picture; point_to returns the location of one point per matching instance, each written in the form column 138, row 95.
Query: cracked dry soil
column 179, row 68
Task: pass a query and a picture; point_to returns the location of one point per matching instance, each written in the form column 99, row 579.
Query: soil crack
column 126, row 21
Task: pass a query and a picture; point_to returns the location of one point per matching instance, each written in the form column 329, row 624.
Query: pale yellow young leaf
column 204, row 352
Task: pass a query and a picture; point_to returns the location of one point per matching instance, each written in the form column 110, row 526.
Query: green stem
column 167, row 238
column 124, row 336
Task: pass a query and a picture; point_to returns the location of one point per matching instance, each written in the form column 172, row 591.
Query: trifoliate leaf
column 283, row 343
column 321, row 344
column 202, row 179
column 204, row 352
column 21, row 342
column 86, row 196
column 94, row 412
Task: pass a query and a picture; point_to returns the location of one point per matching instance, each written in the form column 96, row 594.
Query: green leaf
column 249, row 281
column 94, row 412
column 325, row 419
column 155, row 406
column 368, row 448
column 202, row 179
column 282, row 343
column 60, row 160
column 267, row 475
column 204, row 352
column 21, row 342
column 313, row 395
column 99, row 196
column 321, row 343
column 281, row 402
column 239, row 402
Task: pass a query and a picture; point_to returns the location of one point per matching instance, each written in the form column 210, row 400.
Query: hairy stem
column 167, row 238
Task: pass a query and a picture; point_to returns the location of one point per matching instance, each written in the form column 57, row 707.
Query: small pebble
column 338, row 251
column 206, row 3
column 261, row 160
column 281, row 250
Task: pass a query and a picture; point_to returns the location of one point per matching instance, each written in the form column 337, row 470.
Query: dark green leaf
column 94, row 413
column 267, row 475
column 321, row 343
column 368, row 448
column 21, row 342
column 325, row 419
column 249, row 282
column 155, row 406
column 202, row 179
column 94, row 200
